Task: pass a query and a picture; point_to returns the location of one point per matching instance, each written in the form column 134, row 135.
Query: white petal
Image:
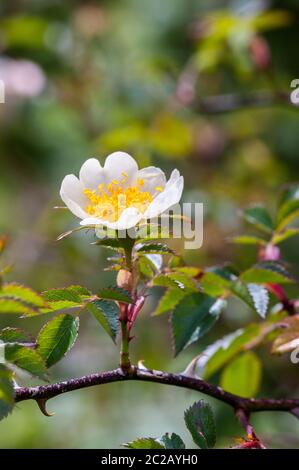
column 91, row 221
column 153, row 177
column 71, row 192
column 170, row 196
column 175, row 174
column 119, row 163
column 128, row 219
column 92, row 174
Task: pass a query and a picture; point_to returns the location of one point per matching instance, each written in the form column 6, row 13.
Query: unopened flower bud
column 124, row 279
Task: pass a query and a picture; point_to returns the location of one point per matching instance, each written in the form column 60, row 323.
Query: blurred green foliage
column 87, row 78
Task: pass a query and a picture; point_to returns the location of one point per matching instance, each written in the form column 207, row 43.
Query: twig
column 234, row 102
column 247, row 405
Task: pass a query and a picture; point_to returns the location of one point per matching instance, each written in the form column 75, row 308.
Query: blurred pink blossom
column 21, row 78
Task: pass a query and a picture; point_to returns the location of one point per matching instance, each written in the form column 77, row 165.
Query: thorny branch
column 246, row 405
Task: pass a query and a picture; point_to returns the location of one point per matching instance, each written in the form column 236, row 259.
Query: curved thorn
column 42, row 402
column 141, row 365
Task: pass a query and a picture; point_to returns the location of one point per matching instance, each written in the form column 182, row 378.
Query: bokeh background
column 85, row 78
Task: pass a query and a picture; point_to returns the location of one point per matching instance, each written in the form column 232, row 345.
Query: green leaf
column 216, row 355
column 169, row 300
column 288, row 207
column 14, row 335
column 191, row 271
column 23, row 293
column 260, row 298
column 193, row 316
column 115, row 293
column 174, row 441
column 15, row 306
column 255, row 296
column 6, row 391
column 74, row 294
column 258, row 216
column 146, row 267
column 112, row 243
column 200, row 422
column 247, row 240
column 26, row 358
column 214, row 284
column 144, row 443
column 57, row 337
column 282, row 236
column 176, row 280
column 176, row 261
column 107, row 314
column 55, row 306
column 267, row 272
column 158, row 248
column 243, row 375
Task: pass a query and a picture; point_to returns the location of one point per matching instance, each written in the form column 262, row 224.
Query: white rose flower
column 119, row 195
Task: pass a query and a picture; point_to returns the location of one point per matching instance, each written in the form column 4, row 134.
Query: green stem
column 128, row 247
column 125, row 362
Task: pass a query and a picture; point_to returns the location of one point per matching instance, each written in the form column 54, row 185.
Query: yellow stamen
column 125, row 177
column 158, row 188
column 112, row 199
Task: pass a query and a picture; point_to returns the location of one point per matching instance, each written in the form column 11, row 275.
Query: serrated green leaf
column 158, row 248
column 56, row 338
column 164, row 281
column 115, row 293
column 25, row 358
column 107, row 314
column 242, row 376
column 260, row 298
column 146, row 267
column 144, row 443
column 192, row 317
column 112, row 243
column 173, row 441
column 14, row 335
column 58, row 305
column 74, row 294
column 184, row 281
column 240, row 289
column 200, row 422
column 23, row 293
column 15, row 306
column 176, row 280
column 6, row 391
column 258, row 216
column 214, row 284
column 267, row 272
column 169, row 300
column 218, row 354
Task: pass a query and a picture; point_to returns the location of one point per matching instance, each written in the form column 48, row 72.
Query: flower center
column 109, row 201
